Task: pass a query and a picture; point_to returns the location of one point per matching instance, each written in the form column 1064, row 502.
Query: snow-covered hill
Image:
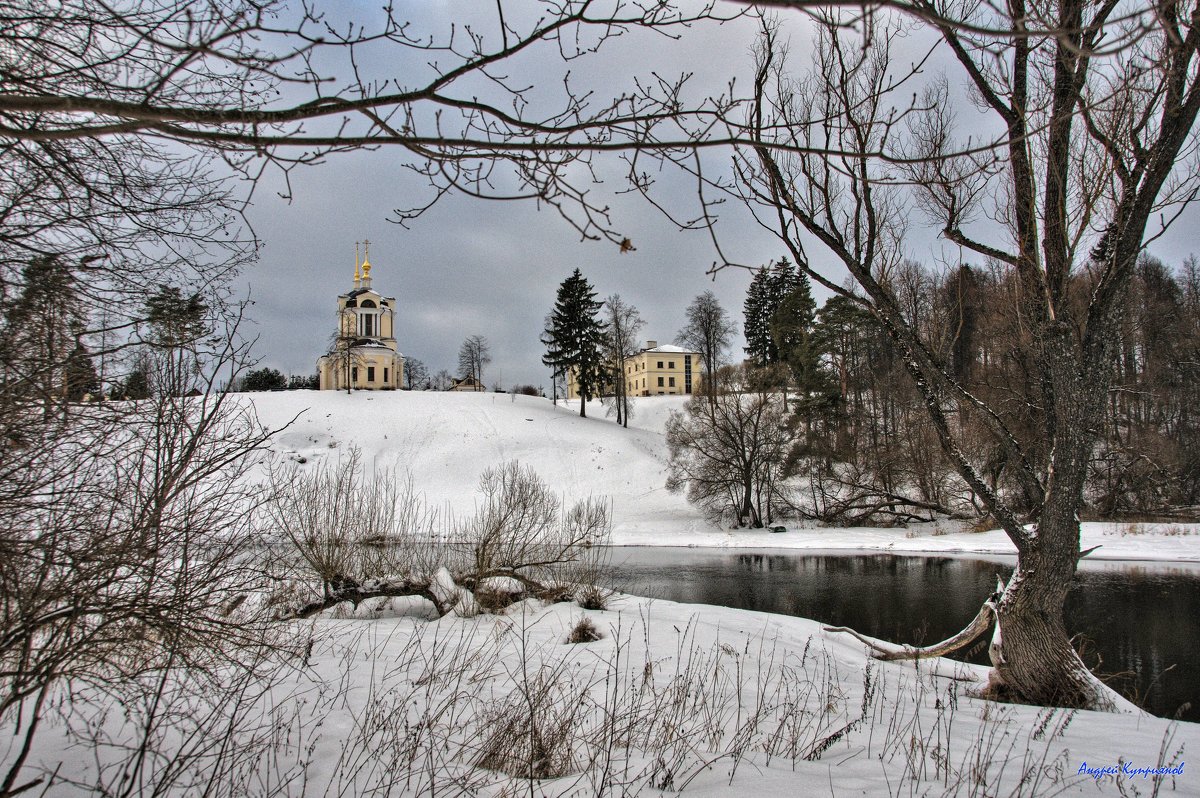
column 445, row 440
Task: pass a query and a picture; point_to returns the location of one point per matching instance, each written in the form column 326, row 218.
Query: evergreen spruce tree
column 767, row 292
column 792, row 332
column 82, row 380
column 784, row 279
column 574, row 338
column 264, row 379
column 139, row 383
column 756, row 326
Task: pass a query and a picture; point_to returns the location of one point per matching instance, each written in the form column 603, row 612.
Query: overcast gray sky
column 470, row 266
column 467, row 267
column 492, row 268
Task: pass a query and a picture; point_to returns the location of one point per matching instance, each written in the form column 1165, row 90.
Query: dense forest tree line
column 865, row 448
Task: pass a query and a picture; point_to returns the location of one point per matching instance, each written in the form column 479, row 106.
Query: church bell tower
column 362, row 353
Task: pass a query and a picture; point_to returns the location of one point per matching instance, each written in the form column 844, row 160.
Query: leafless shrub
column 348, row 528
column 363, row 538
column 520, row 531
column 478, row 705
column 493, row 599
column 178, row 733
column 125, row 573
column 531, row 731
column 592, row 597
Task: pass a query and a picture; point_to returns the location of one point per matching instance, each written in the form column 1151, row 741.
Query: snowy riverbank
column 382, row 698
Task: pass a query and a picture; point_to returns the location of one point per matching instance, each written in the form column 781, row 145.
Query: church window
column 354, row 374
column 385, row 376
column 370, row 374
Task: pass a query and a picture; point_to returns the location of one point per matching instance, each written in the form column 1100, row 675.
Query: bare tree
column 416, row 375
column 728, row 451
column 1088, row 155
column 124, row 537
column 344, row 359
column 111, row 600
column 709, row 331
column 473, row 355
column 1092, row 108
column 256, row 82
column 624, row 324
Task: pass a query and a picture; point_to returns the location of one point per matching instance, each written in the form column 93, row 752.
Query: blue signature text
column 1128, row 770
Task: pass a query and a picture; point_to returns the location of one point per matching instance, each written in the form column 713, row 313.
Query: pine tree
column 176, row 322
column 574, row 337
column 175, row 319
column 40, row 331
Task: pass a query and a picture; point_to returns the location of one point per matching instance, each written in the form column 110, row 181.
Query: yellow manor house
column 364, row 353
column 655, row 370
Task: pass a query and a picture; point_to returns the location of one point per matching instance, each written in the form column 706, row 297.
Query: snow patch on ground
column 383, row 699
column 709, row 701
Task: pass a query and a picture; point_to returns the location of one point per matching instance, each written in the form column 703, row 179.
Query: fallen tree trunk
column 890, row 652
column 355, row 593
column 443, row 590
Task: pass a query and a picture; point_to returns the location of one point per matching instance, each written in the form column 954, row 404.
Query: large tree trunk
column 1032, row 658
column 1070, row 300
column 749, row 510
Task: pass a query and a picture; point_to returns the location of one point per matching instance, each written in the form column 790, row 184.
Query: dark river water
column 1139, row 621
